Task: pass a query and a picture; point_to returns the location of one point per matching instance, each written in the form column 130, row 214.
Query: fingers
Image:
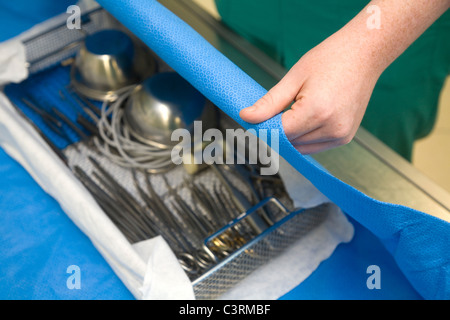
column 318, row 141
column 300, row 119
column 306, row 149
column 274, row 101
column 323, row 137
column 311, row 128
column 325, row 134
column 318, row 120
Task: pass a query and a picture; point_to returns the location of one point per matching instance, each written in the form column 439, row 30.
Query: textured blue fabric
column 38, row 242
column 419, row 242
column 47, row 90
column 20, row 15
column 344, row 275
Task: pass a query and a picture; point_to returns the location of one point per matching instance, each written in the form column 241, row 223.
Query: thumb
column 273, row 102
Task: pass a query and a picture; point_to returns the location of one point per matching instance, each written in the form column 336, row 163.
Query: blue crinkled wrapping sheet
column 47, row 90
column 419, row 243
column 21, row 15
column 38, row 242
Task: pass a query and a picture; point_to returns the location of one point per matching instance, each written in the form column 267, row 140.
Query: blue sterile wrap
column 420, row 243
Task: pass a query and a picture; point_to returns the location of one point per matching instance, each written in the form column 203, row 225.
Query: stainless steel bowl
column 163, row 103
column 108, row 61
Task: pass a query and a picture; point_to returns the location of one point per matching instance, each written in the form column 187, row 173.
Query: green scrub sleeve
column 403, row 106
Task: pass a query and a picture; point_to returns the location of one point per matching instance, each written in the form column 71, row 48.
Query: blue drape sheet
column 38, row 242
column 419, row 242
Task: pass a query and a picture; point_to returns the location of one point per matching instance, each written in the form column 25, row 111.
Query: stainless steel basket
column 257, row 252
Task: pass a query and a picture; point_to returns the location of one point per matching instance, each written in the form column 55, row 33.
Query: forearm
column 400, row 24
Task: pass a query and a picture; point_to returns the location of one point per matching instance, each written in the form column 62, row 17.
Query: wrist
column 366, row 47
column 383, row 30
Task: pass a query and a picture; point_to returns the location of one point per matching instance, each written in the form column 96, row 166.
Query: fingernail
column 250, row 109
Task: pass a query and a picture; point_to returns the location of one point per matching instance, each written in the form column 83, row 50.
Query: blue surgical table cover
column 38, row 242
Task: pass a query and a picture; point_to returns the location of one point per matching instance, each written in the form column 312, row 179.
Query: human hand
column 330, row 86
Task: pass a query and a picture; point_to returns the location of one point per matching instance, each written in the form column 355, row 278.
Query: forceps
column 192, row 259
column 247, row 173
column 220, row 212
column 240, row 201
